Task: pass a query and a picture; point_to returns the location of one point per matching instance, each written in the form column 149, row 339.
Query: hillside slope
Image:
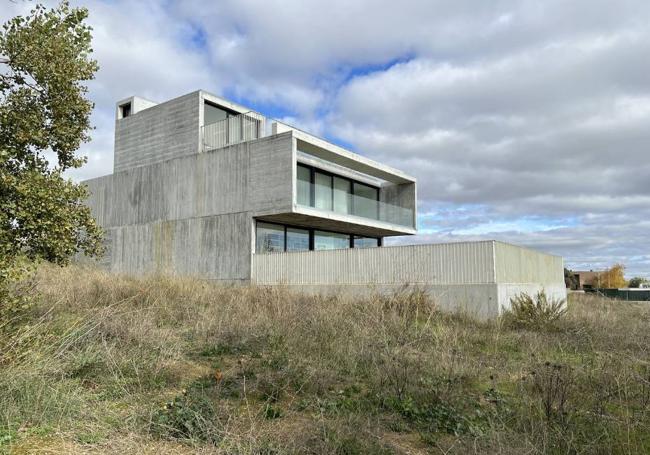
column 108, row 364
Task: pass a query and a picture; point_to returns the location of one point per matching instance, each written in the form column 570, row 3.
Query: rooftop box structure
column 203, row 186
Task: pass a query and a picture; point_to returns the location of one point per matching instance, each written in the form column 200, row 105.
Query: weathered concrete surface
column 477, row 300
column 227, row 180
column 166, row 130
column 193, row 215
column 212, row 247
column 477, row 277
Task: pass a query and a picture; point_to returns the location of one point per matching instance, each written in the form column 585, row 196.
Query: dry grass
column 159, row 365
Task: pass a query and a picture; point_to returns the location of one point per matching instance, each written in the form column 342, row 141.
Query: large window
column 271, row 237
column 303, row 196
column 325, row 191
column 213, row 114
column 297, row 239
column 324, row 240
column 365, row 242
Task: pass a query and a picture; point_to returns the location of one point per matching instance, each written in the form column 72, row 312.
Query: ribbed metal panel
column 520, row 265
column 453, row 263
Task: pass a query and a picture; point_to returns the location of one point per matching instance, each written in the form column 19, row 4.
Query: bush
column 190, row 416
column 536, row 313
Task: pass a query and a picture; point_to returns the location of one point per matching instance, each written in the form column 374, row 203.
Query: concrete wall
column 213, row 247
column 193, row 215
column 476, row 300
column 167, row 130
column 465, row 276
column 271, row 174
column 242, row 177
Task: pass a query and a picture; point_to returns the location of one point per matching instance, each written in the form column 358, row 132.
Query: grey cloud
column 508, row 111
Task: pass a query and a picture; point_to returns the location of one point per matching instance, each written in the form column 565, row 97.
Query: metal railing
column 233, row 130
column 355, row 205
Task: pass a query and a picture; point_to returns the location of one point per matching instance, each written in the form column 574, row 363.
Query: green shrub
column 535, row 313
column 190, row 416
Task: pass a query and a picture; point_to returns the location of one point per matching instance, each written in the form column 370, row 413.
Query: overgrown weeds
column 114, row 364
column 534, row 312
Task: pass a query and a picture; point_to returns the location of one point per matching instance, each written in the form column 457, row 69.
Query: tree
column 44, row 61
column 613, row 277
column 637, row 281
column 570, row 279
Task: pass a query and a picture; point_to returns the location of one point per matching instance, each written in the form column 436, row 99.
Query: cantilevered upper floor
column 306, row 181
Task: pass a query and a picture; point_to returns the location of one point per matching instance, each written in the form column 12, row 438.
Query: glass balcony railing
column 315, row 196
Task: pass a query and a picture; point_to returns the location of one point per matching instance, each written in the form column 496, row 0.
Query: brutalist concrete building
column 205, row 187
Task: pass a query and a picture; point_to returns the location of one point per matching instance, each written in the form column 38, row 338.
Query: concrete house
column 206, row 187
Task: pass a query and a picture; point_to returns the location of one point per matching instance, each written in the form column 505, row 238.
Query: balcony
column 233, row 130
column 321, row 197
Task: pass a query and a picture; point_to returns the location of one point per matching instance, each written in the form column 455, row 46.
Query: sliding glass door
column 326, row 191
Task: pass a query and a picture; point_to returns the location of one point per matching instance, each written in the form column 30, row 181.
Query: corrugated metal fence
column 454, row 263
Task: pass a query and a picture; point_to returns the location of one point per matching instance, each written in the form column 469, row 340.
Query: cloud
column 524, row 121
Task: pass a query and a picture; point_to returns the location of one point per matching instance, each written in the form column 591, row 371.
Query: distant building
column 579, row 280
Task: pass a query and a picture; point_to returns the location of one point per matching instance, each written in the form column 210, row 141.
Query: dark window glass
column 212, row 114
column 303, row 189
column 297, row 239
column 365, row 242
column 365, row 201
column 330, row 240
column 269, row 238
column 126, row 110
column 323, row 191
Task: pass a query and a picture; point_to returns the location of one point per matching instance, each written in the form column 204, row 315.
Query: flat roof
column 327, row 150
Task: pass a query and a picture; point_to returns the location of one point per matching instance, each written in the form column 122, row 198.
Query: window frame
column 312, row 187
column 380, row 240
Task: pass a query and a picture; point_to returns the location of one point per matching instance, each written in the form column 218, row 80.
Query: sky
column 523, row 121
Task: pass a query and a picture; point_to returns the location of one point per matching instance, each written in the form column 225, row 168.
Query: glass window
column 365, row 242
column 342, row 196
column 303, row 189
column 270, row 238
column 212, row 114
column 330, row 240
column 365, row 201
column 297, row 239
column 322, row 191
